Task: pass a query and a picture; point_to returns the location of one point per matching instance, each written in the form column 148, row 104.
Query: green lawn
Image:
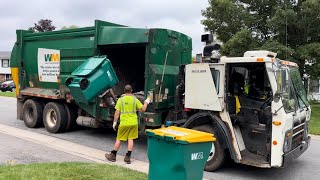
column 74, row 170
column 314, row 125
column 8, row 94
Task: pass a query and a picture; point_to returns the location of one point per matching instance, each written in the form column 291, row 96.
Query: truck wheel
column 32, row 113
column 55, row 117
column 72, row 117
column 217, row 155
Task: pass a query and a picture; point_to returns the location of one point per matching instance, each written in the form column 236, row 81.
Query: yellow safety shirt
column 128, row 106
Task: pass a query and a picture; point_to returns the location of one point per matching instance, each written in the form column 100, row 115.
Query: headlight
column 287, row 141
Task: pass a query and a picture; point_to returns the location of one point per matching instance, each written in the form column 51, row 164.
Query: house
column 314, row 89
column 5, row 73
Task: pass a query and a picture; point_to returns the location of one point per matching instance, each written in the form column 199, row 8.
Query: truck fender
column 202, row 118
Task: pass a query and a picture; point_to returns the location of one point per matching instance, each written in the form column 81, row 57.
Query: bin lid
column 89, row 66
column 181, row 135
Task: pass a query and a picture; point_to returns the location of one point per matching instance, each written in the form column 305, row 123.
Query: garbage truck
column 254, row 105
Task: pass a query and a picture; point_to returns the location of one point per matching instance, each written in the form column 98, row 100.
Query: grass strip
column 68, row 171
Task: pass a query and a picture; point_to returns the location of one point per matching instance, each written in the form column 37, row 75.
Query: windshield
column 299, row 87
column 293, row 93
column 288, row 95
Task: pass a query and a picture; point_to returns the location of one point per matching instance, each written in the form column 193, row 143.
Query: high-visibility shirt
column 238, row 105
column 128, row 106
column 246, row 89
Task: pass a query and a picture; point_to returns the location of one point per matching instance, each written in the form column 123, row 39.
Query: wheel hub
column 30, row 115
column 51, row 118
column 212, row 152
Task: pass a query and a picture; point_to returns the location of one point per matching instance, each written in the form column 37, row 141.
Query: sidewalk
column 19, row 151
column 81, row 151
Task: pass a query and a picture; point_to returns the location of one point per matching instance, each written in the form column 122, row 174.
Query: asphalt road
column 307, row 166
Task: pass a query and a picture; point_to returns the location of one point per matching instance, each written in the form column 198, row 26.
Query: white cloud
column 179, row 15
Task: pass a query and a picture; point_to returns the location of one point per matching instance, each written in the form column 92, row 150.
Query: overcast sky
column 180, row 15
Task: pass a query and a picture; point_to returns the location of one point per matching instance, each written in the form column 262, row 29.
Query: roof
column 5, row 54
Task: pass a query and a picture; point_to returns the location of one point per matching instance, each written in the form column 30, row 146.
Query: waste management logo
column 49, row 65
column 196, row 156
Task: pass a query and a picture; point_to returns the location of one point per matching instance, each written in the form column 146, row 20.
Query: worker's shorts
column 127, row 132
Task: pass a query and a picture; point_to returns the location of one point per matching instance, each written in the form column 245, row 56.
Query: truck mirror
column 198, row 58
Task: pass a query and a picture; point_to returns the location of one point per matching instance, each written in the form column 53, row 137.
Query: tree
column 69, row 27
column 282, row 51
column 288, row 27
column 239, row 43
column 43, row 25
column 309, row 55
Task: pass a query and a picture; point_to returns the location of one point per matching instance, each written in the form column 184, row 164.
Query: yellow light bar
column 260, row 60
column 288, row 63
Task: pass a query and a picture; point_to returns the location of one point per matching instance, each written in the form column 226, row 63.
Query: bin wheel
column 217, row 154
column 55, row 117
column 32, row 113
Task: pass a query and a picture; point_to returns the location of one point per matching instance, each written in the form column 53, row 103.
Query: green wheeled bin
column 177, row 153
column 91, row 78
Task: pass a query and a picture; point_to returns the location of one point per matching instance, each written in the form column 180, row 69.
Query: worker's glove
column 114, row 125
column 148, row 100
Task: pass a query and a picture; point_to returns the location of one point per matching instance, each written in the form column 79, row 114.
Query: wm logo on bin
column 196, row 156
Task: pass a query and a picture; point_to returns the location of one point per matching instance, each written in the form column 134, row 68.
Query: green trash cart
column 92, row 78
column 177, row 153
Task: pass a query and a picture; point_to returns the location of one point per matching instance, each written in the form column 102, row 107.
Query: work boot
column 127, row 159
column 111, row 157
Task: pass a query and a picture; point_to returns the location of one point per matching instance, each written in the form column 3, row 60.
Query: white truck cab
column 256, row 105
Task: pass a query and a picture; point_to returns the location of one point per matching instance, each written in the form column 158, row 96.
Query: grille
column 298, row 133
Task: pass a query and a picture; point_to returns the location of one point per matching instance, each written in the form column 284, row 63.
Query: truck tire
column 55, row 117
column 217, row 154
column 32, row 113
column 72, row 117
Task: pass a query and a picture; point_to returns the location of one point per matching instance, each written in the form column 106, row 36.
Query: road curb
column 317, row 137
column 92, row 154
column 8, row 97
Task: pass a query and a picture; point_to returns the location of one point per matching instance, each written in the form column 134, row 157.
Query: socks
column 114, row 152
column 129, row 153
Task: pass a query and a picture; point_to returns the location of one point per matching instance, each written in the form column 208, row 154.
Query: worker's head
column 127, row 89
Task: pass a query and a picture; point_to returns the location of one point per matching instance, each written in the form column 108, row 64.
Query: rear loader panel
column 151, row 56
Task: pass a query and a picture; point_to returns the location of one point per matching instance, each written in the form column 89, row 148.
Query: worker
column 126, row 107
column 237, row 82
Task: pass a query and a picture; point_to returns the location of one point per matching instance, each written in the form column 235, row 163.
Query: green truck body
column 148, row 59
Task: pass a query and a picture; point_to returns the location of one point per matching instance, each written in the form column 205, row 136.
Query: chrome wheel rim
column 212, row 152
column 51, row 118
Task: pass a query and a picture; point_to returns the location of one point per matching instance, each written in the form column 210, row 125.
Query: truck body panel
column 148, row 59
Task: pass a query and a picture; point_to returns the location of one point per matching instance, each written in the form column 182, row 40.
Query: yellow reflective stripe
column 134, row 111
column 15, row 78
column 134, row 105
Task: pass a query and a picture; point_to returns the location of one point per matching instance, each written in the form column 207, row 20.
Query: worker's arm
column 145, row 104
column 144, row 107
column 115, row 119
